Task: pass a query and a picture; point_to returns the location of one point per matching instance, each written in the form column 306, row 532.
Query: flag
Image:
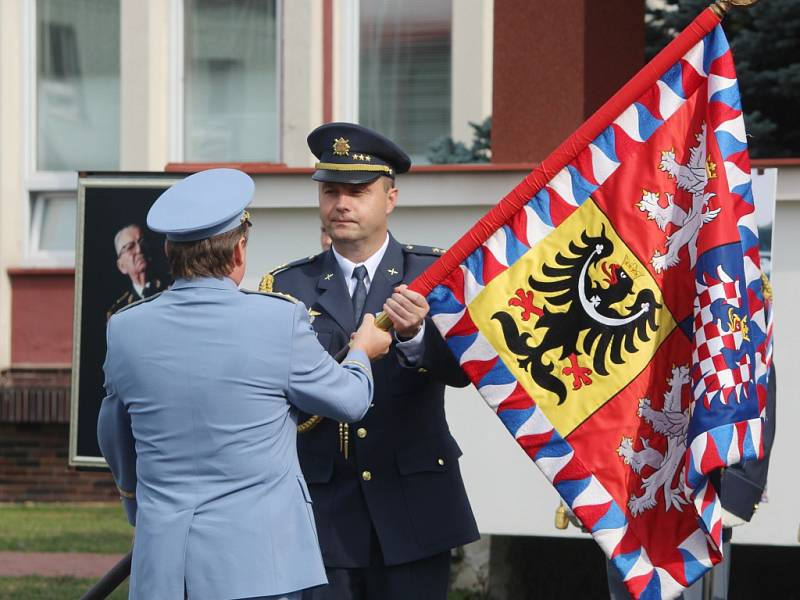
column 610, row 310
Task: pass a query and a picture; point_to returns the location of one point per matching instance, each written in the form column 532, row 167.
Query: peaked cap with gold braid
column 350, row 153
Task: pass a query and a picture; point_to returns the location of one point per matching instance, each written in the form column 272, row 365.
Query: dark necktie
column 360, row 293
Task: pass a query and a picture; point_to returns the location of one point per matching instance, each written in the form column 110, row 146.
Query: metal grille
column 34, row 396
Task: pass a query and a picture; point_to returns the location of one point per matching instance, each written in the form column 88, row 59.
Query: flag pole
column 569, row 149
column 721, row 7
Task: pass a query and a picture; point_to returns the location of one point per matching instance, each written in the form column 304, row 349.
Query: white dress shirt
column 411, row 350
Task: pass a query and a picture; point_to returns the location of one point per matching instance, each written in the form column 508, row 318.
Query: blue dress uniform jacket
column 199, row 422
column 744, row 484
column 399, row 496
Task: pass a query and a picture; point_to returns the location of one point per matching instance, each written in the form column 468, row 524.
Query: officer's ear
column 391, row 193
column 240, row 252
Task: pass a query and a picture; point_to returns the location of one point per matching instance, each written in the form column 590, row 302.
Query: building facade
column 144, row 85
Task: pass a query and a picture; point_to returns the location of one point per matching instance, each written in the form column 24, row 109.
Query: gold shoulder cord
column 309, row 424
column 267, row 281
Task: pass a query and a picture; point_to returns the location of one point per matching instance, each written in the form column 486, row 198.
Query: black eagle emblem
column 588, row 309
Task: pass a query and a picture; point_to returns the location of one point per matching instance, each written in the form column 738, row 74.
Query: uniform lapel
column 332, row 294
column 388, row 275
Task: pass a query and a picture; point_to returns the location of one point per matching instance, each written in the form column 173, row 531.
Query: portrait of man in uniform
column 133, row 261
column 119, row 262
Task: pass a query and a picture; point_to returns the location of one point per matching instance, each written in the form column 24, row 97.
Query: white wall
column 473, row 39
column 13, row 207
column 144, row 81
column 778, row 520
column 301, row 84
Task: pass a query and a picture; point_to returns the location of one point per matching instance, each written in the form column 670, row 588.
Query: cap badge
column 245, row 218
column 341, row 146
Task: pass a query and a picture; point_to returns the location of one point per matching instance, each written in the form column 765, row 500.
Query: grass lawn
column 99, row 528
column 51, row 588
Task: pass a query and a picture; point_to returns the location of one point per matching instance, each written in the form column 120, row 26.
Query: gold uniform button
column 361, row 432
column 366, row 475
column 440, row 462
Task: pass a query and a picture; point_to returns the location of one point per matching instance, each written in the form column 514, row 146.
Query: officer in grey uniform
column 204, row 382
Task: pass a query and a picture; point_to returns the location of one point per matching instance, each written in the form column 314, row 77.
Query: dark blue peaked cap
column 350, row 153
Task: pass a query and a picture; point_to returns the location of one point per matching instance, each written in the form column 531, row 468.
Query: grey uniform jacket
column 203, row 384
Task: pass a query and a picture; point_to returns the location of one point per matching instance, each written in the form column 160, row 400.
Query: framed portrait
column 118, row 261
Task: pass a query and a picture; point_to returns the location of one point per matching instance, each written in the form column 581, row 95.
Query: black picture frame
column 107, row 203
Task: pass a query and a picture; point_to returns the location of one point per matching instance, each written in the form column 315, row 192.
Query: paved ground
column 56, row 564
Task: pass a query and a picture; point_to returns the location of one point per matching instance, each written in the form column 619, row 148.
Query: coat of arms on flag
column 610, row 310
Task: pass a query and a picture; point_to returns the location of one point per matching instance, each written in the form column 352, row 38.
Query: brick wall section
column 34, row 396
column 33, row 466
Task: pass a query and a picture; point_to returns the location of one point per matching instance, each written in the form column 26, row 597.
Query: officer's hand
column 373, row 341
column 407, row 310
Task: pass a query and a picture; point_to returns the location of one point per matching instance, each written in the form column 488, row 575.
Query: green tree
column 765, row 40
column 444, row 150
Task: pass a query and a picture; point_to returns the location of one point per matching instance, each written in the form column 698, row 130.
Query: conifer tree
column 765, row 40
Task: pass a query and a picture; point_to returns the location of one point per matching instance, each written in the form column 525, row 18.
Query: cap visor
column 354, row 177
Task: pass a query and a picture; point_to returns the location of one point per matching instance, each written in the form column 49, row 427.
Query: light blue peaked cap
column 202, row 205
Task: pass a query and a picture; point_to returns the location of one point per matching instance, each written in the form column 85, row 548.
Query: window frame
column 177, row 73
column 36, row 206
column 38, row 184
column 348, row 85
column 349, row 69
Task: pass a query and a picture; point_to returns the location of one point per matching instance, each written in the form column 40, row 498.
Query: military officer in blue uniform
column 204, row 383
column 389, row 499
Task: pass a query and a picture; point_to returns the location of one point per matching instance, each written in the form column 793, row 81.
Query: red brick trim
column 39, row 271
column 774, row 162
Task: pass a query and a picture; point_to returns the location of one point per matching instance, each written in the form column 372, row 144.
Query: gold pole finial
column 721, row 7
column 562, row 519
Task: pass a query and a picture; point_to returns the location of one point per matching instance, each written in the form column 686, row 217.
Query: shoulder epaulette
column 268, row 280
column 138, row 302
column 423, row 250
column 279, row 295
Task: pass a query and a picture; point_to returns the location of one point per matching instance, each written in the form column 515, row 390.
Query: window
column 230, row 81
column 52, row 233
column 73, row 70
column 77, row 85
column 405, row 70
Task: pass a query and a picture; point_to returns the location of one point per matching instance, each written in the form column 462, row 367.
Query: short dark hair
column 211, row 257
column 388, row 183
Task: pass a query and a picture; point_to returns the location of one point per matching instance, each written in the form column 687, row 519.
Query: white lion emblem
column 692, row 177
column 672, row 423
